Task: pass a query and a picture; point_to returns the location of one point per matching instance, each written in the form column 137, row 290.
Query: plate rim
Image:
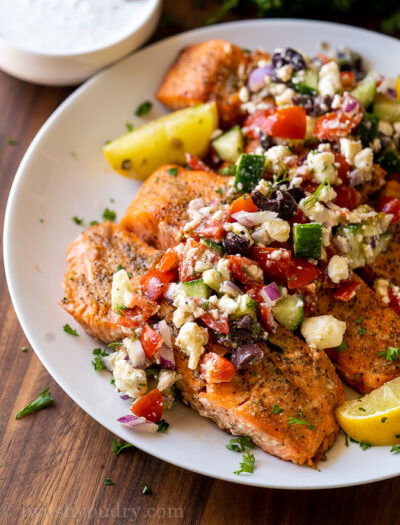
column 7, row 240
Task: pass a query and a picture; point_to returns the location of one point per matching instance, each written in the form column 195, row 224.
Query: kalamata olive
column 245, row 355
column 265, row 141
column 235, row 244
column 314, row 106
column 288, row 56
column 243, row 330
column 351, row 61
column 297, row 193
column 282, row 202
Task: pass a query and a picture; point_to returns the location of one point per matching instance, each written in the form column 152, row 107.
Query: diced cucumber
column 229, row 145
column 353, row 234
column 306, row 82
column 307, row 240
column 289, row 311
column 218, row 248
column 213, row 279
column 368, row 129
column 365, row 92
column 381, row 245
column 387, row 108
column 390, row 161
column 247, row 306
column 249, row 171
column 375, row 225
column 197, row 288
column 120, row 284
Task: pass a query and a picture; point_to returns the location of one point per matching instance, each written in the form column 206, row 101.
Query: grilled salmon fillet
column 302, row 382
column 205, row 72
column 159, row 210
column 93, row 258
column 371, row 328
column 387, row 264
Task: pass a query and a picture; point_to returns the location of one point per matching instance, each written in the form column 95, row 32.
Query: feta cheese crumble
column 338, row 268
column 191, row 340
column 323, row 331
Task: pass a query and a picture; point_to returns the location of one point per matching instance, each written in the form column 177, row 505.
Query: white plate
column 54, row 185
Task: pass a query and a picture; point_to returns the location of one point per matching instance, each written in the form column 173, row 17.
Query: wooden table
column 53, row 464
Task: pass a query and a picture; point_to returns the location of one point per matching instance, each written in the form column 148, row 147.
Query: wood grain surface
column 53, row 464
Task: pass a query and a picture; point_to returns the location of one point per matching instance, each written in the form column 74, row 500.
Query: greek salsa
column 318, row 138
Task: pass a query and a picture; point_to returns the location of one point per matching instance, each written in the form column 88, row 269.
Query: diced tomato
column 301, row 272
column 309, row 294
column 348, row 78
column 216, row 369
column 210, row 230
column 220, row 324
column 169, row 261
column 394, row 297
column 196, row 164
column 140, row 308
column 151, row 341
column 335, row 125
column 154, row 283
column 150, row 406
column 347, row 197
column 346, row 292
column 298, row 218
column 265, row 310
column 392, row 188
column 343, row 168
column 243, row 203
column 390, row 205
column 241, row 267
column 274, row 262
column 287, row 123
column 256, row 122
column 194, row 251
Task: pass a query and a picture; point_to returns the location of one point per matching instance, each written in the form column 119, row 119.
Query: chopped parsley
column 276, row 409
column 12, row 142
column 312, row 199
column 172, row 171
column 360, row 320
column 118, row 447
column 68, row 330
column 395, row 449
column 357, row 376
column 93, row 223
column 108, row 481
column 119, row 268
column 391, row 353
column 77, row 220
column 115, row 344
column 361, row 330
column 126, row 164
column 129, row 127
column 365, row 446
column 144, row 108
column 112, row 380
column 97, row 361
column 362, row 409
column 24, row 349
column 43, row 400
column 146, row 489
column 219, row 191
column 384, row 419
column 299, row 421
column 280, row 178
column 346, row 439
column 163, row 426
column 247, row 463
column 239, row 444
column 342, row 346
column 109, row 215
column 228, row 170
column 41, row 220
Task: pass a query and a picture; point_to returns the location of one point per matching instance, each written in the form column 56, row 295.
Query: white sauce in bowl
column 68, row 26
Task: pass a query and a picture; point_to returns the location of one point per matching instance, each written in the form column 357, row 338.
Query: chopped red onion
column 356, row 177
column 165, row 332
column 230, row 288
column 391, row 92
column 165, row 357
column 271, row 293
column 350, row 104
column 257, row 76
column 246, row 355
column 249, row 219
column 138, row 423
column 124, row 397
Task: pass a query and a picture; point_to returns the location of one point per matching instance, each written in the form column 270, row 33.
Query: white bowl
column 63, row 69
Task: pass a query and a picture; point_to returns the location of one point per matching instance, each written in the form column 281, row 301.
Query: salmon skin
column 93, row 258
column 301, row 382
column 159, row 210
column 371, row 329
column 205, row 72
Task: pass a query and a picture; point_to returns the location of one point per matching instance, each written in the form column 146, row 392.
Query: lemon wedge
column 375, row 417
